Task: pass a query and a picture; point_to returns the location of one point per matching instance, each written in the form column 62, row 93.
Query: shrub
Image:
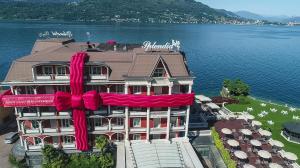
column 223, row 151
column 14, row 162
column 236, row 87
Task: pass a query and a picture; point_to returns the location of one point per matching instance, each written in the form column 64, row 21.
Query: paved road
column 4, row 153
column 5, row 149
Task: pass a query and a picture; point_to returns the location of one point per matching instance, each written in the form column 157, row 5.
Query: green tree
column 102, row 143
column 236, row 87
column 54, row 158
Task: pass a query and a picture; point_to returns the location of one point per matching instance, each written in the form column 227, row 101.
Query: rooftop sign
column 56, row 34
column 173, row 46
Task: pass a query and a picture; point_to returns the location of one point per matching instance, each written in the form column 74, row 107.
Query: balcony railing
column 31, row 114
column 100, row 112
column 50, row 130
column 32, row 131
column 137, row 129
column 68, row 145
column 101, row 128
column 158, row 129
column 45, row 114
column 67, row 129
column 137, row 113
column 178, row 112
column 158, row 113
column 175, row 128
column 64, row 113
column 117, row 127
column 34, row 147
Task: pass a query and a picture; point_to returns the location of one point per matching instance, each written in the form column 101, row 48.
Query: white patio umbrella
column 255, row 142
column 256, row 123
column 248, row 166
column 275, row 165
column 233, row 143
column 264, row 154
column 226, row 131
column 240, row 154
column 246, row 131
column 290, row 156
column 249, row 117
column 276, row 143
column 265, row 133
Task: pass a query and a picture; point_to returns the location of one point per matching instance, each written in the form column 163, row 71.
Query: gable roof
column 134, row 62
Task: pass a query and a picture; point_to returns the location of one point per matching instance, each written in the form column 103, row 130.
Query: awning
column 290, row 156
column 256, row 123
column 202, row 98
column 248, row 166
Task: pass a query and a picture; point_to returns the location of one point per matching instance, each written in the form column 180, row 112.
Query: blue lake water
column 266, row 57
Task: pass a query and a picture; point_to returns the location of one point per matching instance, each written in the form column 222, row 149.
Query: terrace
column 249, row 145
column 272, row 116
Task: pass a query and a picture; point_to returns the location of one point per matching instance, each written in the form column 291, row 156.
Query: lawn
column 276, row 117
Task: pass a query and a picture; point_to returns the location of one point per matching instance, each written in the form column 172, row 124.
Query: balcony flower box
column 118, row 127
column 47, row 113
column 64, row 113
column 34, row 147
column 29, row 115
column 68, row 145
column 32, row 131
column 50, row 130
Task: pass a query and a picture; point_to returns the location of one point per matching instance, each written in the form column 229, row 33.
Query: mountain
column 142, row 11
column 254, row 16
column 295, row 19
column 249, row 15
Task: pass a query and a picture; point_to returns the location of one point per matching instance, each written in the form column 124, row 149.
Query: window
column 37, row 141
column 61, row 70
column 176, row 89
column 156, row 136
column 159, row 72
column 157, row 90
column 65, row 122
column 29, row 90
column 119, row 89
column 137, row 89
column 98, row 122
column 137, row 122
column 35, row 124
column 156, row 122
column 136, row 136
column 68, row 139
column 95, row 70
column 119, row 137
column 120, row 121
column 47, row 70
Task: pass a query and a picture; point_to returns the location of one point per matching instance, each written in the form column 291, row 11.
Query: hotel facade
column 122, row 91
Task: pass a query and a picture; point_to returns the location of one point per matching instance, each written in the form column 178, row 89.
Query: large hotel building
column 142, row 94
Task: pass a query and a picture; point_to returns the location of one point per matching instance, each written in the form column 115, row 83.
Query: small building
column 291, row 131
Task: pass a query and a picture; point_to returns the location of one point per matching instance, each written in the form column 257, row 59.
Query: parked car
column 11, row 137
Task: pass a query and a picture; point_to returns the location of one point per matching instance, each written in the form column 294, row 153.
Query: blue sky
column 264, row 7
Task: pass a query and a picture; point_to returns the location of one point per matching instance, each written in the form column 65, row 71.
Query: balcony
column 46, row 114
column 50, row 130
column 117, row 127
column 101, row 128
column 138, row 129
column 32, row 131
column 138, row 113
column 67, row 129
